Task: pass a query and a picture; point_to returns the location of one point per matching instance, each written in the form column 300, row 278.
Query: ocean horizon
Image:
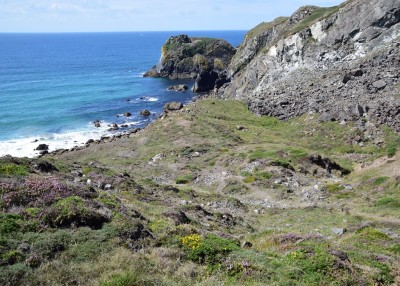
column 53, row 86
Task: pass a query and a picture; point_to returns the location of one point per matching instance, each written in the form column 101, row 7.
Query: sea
column 54, row 86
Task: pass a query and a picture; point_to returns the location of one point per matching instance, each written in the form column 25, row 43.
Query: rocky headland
column 203, row 59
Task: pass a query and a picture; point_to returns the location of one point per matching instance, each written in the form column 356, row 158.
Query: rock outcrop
column 183, row 57
column 341, row 62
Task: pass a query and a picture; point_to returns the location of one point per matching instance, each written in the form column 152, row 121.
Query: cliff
column 340, row 62
column 185, row 57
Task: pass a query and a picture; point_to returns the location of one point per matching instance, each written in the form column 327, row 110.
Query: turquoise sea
column 53, row 86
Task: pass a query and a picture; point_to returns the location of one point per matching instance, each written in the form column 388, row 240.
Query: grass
column 225, row 191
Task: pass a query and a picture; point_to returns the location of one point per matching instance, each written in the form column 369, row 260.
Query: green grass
column 262, row 27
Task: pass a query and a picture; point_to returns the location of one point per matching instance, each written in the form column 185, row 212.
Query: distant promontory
column 184, row 57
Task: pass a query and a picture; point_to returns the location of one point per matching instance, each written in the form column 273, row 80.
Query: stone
column 247, row 244
column 97, row 124
column 178, row 217
column 379, row 84
column 179, row 88
column 338, row 231
column 127, row 114
column 46, row 167
column 145, row 112
column 42, row 147
column 173, row 106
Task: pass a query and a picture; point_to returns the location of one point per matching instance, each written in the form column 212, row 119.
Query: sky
column 143, row 15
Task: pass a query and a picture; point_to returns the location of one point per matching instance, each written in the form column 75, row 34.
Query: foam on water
column 25, row 147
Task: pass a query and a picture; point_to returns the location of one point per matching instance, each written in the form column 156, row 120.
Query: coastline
column 79, row 139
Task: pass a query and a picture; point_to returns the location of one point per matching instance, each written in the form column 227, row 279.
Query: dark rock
column 113, row 127
column 78, row 216
column 127, row 114
column 205, row 81
column 357, row 72
column 136, row 232
column 90, row 141
column 357, row 110
column 145, row 112
column 247, row 244
column 346, row 78
column 46, row 167
column 42, row 147
column 179, row 88
column 97, row 123
column 178, row 217
column 327, row 164
column 173, row 106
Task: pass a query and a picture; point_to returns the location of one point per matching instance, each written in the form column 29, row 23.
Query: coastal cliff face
column 341, row 62
column 185, row 57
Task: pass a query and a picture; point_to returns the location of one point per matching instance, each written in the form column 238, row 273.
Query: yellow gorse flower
column 192, row 241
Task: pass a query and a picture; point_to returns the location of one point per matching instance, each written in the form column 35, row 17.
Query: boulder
column 179, row 88
column 145, row 112
column 127, row 114
column 173, row 106
column 97, row 123
column 42, row 147
column 379, row 84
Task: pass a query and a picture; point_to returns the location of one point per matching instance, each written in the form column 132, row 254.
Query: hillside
column 288, row 175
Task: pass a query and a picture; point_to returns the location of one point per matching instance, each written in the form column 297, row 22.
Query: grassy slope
column 217, row 163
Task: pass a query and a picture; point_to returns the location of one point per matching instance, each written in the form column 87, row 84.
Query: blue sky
column 143, row 15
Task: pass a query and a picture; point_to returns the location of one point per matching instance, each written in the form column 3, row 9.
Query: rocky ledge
column 205, row 59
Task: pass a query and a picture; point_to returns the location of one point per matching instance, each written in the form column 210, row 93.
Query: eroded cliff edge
column 340, row 62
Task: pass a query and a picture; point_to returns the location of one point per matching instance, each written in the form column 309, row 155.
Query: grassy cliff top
column 208, row 195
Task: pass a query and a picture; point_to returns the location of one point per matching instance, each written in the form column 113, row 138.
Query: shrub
column 35, row 190
column 9, row 223
column 391, row 150
column 249, row 179
column 13, row 170
column 380, row 181
column 210, row 250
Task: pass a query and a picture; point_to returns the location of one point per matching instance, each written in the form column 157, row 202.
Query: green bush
column 210, row 250
column 9, row 223
column 13, row 170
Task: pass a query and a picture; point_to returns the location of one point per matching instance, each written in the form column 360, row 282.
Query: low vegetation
column 210, row 195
